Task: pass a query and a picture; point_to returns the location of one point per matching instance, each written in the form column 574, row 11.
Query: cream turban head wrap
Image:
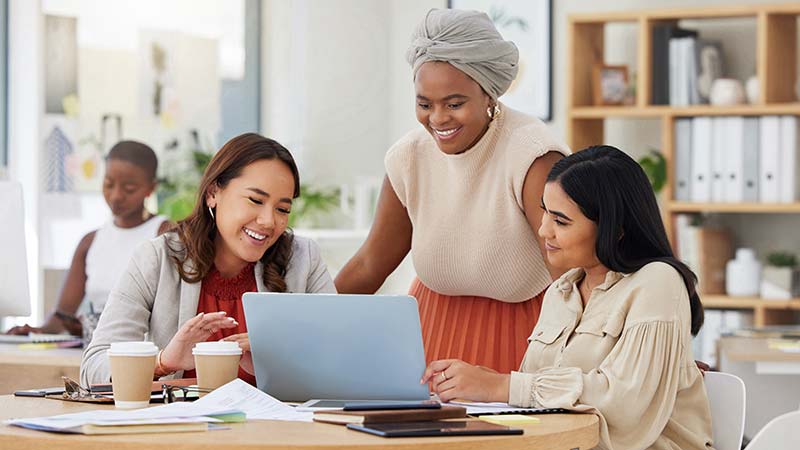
column 468, row 41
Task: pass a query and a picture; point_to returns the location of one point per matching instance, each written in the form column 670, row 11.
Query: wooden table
column 555, row 432
column 36, row 368
column 769, row 375
column 768, row 361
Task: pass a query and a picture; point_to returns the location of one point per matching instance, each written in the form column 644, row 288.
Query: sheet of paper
column 478, row 408
column 182, row 412
column 50, row 423
column 255, row 403
column 509, row 419
column 235, row 397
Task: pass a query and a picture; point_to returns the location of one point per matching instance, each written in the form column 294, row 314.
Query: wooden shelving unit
column 742, row 208
column 776, row 61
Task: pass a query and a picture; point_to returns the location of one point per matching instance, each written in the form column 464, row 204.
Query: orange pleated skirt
column 478, row 330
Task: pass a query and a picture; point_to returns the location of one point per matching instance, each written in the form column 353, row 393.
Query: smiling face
column 570, row 237
column 251, row 213
column 451, row 106
column 125, row 187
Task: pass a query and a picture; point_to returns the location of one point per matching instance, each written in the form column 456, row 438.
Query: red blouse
column 225, row 294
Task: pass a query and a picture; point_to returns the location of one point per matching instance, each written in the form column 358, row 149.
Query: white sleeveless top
column 109, row 255
column 471, row 236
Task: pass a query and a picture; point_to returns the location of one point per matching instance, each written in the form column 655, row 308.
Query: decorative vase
column 779, row 283
column 752, row 90
column 743, row 274
column 726, row 92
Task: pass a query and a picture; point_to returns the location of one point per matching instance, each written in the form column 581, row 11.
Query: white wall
column 336, row 88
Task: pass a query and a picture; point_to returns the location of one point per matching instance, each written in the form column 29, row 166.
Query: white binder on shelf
column 700, row 185
column 683, row 159
column 693, row 94
column 750, row 145
column 788, row 179
column 769, row 160
column 733, row 146
column 674, row 58
column 719, row 150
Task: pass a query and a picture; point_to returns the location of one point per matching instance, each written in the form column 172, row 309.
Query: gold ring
column 443, row 375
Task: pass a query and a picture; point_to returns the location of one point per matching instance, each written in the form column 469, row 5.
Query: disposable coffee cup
column 132, row 367
column 216, row 363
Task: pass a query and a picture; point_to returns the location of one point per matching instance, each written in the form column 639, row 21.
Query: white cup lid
column 217, row 348
column 139, row 348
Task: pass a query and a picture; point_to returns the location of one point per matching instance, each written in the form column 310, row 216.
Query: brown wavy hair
column 194, row 255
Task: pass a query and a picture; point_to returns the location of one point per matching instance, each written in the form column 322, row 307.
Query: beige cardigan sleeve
column 633, row 390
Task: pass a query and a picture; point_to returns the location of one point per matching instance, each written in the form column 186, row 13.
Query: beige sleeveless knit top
column 470, row 233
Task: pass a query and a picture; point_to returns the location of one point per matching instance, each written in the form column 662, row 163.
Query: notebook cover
column 149, row 428
column 388, row 416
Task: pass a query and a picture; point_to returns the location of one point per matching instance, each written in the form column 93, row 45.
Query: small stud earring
column 211, row 211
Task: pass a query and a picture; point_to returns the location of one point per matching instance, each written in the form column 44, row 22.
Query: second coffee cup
column 216, row 363
column 132, row 366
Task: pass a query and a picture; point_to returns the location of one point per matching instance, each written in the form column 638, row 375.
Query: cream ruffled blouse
column 626, row 357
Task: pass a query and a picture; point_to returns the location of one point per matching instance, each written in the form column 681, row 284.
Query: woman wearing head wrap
column 463, row 195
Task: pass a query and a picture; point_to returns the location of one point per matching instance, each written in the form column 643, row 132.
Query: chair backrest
column 726, row 397
column 780, row 433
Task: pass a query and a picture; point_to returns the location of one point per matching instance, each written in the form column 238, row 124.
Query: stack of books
column 693, row 63
column 389, row 415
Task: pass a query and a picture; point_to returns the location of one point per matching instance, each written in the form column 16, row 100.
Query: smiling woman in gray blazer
column 186, row 286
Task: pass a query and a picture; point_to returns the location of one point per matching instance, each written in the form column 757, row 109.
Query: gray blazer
column 151, row 301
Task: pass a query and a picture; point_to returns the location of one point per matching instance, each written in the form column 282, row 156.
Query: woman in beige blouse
column 614, row 335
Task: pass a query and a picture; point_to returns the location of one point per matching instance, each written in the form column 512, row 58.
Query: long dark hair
column 613, row 191
column 197, row 232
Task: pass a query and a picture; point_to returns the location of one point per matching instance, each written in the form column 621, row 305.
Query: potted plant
column 780, row 278
column 312, row 204
column 655, row 167
column 181, row 169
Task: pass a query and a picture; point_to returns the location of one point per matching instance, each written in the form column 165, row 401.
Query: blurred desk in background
column 770, row 369
column 30, row 367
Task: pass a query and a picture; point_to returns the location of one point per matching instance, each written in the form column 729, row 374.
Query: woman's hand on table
column 454, row 379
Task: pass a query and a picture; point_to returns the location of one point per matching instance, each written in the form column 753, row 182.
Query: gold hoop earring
column 492, row 111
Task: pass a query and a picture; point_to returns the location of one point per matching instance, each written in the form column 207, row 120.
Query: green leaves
column 782, row 259
column 655, row 167
column 313, row 202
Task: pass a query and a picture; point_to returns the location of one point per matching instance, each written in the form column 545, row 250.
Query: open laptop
column 328, row 346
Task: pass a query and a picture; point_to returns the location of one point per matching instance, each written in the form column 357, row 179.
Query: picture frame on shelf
column 609, row 84
column 529, row 26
